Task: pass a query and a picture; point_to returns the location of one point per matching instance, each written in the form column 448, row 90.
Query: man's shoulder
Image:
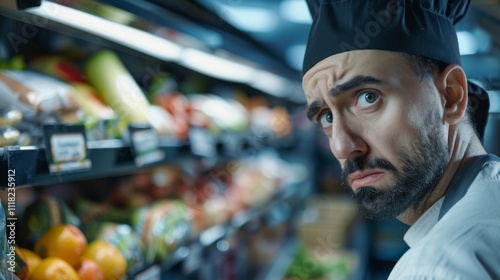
column 490, row 172
column 466, row 251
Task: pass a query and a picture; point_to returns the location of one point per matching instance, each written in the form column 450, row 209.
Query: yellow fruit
column 109, row 258
column 90, row 270
column 31, row 259
column 54, row 268
column 63, row 241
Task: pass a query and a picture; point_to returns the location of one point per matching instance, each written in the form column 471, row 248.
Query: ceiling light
column 467, row 43
column 270, row 83
column 216, row 67
column 295, row 56
column 296, row 11
column 250, row 19
column 122, row 34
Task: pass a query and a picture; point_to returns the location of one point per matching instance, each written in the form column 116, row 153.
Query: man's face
column 385, row 127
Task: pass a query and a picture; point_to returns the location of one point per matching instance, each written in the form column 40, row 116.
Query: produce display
column 118, row 234
column 99, row 92
column 44, row 213
column 139, row 219
column 63, row 252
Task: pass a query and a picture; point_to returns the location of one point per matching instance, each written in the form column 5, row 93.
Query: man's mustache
column 358, row 164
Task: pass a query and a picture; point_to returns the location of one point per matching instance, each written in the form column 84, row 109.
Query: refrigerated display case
column 202, row 163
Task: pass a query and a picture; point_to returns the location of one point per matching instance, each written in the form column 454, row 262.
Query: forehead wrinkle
column 322, row 76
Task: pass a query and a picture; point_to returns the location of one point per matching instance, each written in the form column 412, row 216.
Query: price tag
column 66, row 148
column 202, row 142
column 145, row 145
column 151, row 273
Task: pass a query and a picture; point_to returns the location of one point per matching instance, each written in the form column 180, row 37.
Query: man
column 384, row 82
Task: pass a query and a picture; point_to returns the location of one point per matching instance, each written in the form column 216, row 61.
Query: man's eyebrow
column 354, row 83
column 313, row 109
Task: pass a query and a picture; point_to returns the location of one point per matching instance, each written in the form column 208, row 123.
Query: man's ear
column 453, row 89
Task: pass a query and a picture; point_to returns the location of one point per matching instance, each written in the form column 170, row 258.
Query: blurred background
column 174, row 132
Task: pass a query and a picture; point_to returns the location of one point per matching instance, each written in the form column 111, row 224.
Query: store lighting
column 295, row 11
column 295, row 56
column 161, row 48
column 250, row 19
column 122, row 34
column 467, row 43
column 216, row 67
column 271, row 83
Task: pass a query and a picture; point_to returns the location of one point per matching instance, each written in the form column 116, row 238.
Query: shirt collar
column 424, row 224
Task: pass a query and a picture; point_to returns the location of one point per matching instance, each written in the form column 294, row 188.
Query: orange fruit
column 31, row 259
column 108, row 257
column 90, row 270
column 63, row 241
column 53, row 268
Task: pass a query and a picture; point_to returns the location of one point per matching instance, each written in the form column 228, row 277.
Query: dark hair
column 425, row 67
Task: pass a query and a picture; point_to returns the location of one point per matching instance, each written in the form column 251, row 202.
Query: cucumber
column 105, row 71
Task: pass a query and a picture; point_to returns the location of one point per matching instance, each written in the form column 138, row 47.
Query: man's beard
column 421, row 168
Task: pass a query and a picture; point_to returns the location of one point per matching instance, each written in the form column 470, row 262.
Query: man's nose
column 347, row 142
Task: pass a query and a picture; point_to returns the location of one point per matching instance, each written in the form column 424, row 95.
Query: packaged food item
column 93, row 214
column 35, row 93
column 10, row 116
column 116, row 86
column 87, row 97
column 126, row 240
column 57, row 66
column 8, row 135
column 162, row 226
column 223, row 114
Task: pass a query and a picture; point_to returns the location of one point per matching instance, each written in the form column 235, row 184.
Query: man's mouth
column 364, row 178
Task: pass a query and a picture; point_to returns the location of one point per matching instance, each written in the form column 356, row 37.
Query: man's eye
column 367, row 98
column 326, row 120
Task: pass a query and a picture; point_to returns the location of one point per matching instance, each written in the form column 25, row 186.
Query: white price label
column 202, row 142
column 68, row 147
column 145, row 143
column 145, row 140
column 69, row 152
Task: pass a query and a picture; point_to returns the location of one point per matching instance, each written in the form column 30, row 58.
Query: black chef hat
column 419, row 27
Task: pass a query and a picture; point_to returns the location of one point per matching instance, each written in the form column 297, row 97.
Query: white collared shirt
column 464, row 243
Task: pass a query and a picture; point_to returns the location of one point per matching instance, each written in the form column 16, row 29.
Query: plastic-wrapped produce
column 34, row 93
column 162, row 225
column 126, row 240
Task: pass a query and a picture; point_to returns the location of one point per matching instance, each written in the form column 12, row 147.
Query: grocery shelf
column 114, row 157
column 277, row 80
column 108, row 158
column 192, row 249
column 196, row 254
